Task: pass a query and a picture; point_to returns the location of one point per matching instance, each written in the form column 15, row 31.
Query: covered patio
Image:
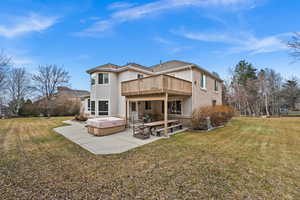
column 163, row 92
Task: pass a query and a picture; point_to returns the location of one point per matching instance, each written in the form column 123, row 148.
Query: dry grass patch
column 248, row 159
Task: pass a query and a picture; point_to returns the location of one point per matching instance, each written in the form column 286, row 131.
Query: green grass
column 250, row 158
column 294, row 114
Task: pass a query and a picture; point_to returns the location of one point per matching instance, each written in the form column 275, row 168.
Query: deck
column 156, row 84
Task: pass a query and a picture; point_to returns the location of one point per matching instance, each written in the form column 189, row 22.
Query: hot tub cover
column 106, row 122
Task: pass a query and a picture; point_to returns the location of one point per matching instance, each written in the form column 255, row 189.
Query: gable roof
column 105, row 67
column 155, row 69
column 169, row 65
column 138, row 66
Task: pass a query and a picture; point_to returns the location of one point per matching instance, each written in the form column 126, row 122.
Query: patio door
column 134, row 111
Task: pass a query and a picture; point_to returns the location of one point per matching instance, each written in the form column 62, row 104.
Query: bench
column 168, row 128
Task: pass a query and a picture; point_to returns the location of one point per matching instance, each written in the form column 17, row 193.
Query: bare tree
column 18, row 88
column 254, row 93
column 46, row 81
column 5, row 61
column 294, row 45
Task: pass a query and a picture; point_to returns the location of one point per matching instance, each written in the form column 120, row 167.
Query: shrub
column 80, row 117
column 219, row 115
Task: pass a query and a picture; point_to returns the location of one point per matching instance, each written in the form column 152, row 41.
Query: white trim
column 103, row 84
column 108, row 100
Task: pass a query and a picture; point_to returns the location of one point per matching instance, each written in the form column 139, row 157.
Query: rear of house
column 133, row 91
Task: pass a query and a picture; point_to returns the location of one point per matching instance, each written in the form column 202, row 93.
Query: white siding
column 125, row 76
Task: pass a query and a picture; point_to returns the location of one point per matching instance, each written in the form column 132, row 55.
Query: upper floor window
column 140, row 76
column 216, row 85
column 93, row 81
column 147, row 105
column 103, row 78
column 103, row 107
column 203, row 81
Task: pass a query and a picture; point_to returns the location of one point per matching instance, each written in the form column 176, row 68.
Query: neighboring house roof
column 72, row 93
column 168, row 66
column 66, row 92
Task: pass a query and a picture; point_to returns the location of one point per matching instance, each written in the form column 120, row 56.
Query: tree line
column 17, row 85
column 255, row 92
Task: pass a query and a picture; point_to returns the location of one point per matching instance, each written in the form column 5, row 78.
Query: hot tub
column 105, row 126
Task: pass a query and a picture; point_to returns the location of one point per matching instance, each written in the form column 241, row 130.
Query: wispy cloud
column 27, row 24
column 142, row 11
column 171, row 47
column 120, row 5
column 241, row 41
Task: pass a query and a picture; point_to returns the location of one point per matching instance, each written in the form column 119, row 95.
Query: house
column 65, row 101
column 134, row 91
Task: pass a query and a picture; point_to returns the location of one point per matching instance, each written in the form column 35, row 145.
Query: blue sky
column 215, row 34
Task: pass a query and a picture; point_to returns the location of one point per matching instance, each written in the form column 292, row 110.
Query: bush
column 80, row 118
column 219, row 115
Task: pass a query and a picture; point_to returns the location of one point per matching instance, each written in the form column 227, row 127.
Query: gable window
column 92, row 107
column 203, row 81
column 216, row 85
column 103, row 78
column 103, row 107
column 147, row 105
column 140, row 76
column 89, row 104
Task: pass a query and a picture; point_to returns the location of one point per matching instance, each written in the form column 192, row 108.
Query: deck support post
column 126, row 112
column 166, row 114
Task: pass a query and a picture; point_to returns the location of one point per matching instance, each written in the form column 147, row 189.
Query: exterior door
column 134, row 110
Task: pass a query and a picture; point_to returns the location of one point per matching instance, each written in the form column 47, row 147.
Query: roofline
column 129, row 67
column 187, row 67
column 119, row 70
column 207, row 72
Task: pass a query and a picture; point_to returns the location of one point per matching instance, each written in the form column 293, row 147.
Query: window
column 103, row 107
column 203, row 81
column 133, row 106
column 92, row 107
column 89, row 104
column 216, row 85
column 214, row 103
column 140, row 76
column 93, row 81
column 174, row 107
column 147, row 105
column 103, row 78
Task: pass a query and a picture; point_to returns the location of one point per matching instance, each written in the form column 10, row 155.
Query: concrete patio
column 111, row 144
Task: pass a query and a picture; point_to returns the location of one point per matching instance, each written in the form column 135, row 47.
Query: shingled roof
column 108, row 67
column 169, row 65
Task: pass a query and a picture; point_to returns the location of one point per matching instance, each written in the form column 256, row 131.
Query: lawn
column 248, row 159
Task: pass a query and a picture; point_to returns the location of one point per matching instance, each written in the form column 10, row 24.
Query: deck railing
column 156, row 84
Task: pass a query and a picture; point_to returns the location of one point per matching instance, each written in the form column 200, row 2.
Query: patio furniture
column 105, row 126
column 153, row 126
column 139, row 130
column 171, row 128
